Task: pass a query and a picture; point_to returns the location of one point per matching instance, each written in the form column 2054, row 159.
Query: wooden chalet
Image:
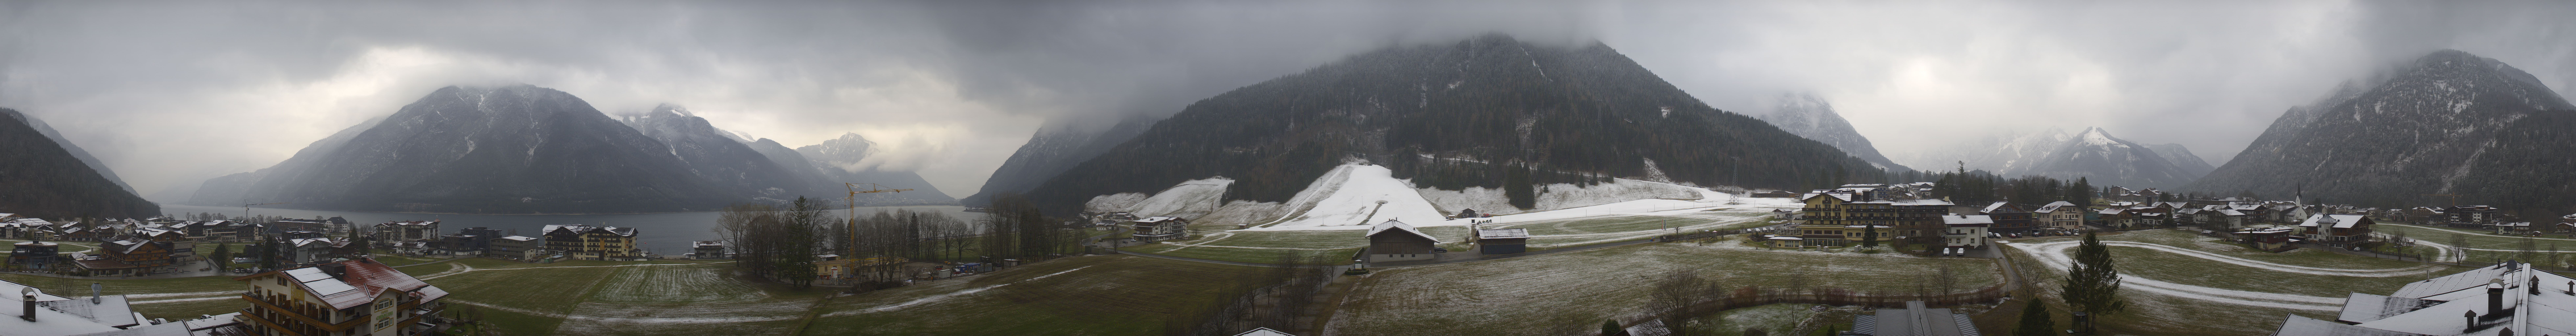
column 1395, row 241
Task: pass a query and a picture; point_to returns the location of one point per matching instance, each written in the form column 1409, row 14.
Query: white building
column 2505, row 299
column 1966, row 231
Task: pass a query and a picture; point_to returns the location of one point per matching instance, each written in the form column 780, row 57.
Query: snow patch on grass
column 2056, row 255
column 934, row 298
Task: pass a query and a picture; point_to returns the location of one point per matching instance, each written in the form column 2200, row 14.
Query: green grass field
column 2498, row 247
column 2215, row 297
column 1571, row 293
column 1091, row 295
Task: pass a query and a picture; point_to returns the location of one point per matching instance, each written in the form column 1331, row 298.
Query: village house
column 299, row 224
column 356, row 297
column 1966, row 231
column 2008, row 217
column 517, row 248
column 309, row 251
column 35, row 255
column 2428, row 216
column 2510, row 298
column 1395, row 241
column 708, row 249
column 2059, row 215
column 1159, row 228
column 2269, row 238
column 1502, row 241
column 2336, row 230
column 594, row 242
column 130, row 257
column 1837, row 217
column 2471, row 217
column 2514, row 228
column 389, row 234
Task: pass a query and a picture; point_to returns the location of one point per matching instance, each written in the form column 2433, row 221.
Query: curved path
column 2055, row 255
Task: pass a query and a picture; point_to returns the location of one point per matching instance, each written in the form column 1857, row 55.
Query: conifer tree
column 2035, row 321
column 2092, row 285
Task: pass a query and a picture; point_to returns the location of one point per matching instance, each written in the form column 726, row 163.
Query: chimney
column 28, row 296
column 2495, row 297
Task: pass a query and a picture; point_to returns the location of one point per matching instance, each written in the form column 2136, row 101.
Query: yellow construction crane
column 851, row 222
column 2455, row 199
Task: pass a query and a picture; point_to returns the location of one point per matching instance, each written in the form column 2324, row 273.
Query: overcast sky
column 170, row 94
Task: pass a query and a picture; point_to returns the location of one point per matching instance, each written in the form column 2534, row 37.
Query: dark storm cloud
column 172, row 93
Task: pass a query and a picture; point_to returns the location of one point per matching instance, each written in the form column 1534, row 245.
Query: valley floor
column 2177, row 283
column 2180, row 283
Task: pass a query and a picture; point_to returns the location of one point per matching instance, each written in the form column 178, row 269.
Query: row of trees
column 1980, row 187
column 780, row 243
column 774, row 242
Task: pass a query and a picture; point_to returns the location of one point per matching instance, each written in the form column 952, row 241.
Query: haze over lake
column 664, row 233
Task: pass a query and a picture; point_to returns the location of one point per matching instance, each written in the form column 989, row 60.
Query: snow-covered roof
column 1780, row 237
column 2266, row 230
column 2231, row 212
column 1502, row 233
column 2053, row 206
column 1990, row 208
column 1392, row 224
column 1967, row 219
column 1158, row 219
column 2339, row 221
column 2365, row 307
column 2530, row 301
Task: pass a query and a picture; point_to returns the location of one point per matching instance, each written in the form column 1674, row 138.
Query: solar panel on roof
column 307, row 274
column 328, row 286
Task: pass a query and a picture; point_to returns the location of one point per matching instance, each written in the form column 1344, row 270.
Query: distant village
column 302, row 276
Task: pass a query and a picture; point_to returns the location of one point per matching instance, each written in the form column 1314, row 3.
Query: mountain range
column 1489, row 112
column 1809, row 116
column 2446, row 123
column 523, row 149
column 48, row 177
column 2093, row 154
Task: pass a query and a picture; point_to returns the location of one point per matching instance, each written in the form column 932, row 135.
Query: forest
column 1479, row 113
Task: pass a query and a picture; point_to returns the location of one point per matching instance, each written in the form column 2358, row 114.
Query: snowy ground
column 2177, row 282
column 1329, row 216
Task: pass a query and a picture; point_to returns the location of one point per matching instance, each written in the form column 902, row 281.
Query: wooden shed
column 1396, row 241
column 1502, row 241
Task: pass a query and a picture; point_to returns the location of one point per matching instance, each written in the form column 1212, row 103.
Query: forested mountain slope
column 1486, row 112
column 44, row 179
column 2448, row 123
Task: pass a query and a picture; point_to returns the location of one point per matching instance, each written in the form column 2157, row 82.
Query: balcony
column 298, row 315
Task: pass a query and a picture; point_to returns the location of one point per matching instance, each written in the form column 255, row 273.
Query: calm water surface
column 664, row 233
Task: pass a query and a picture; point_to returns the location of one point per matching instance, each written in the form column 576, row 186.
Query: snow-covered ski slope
column 1351, row 197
